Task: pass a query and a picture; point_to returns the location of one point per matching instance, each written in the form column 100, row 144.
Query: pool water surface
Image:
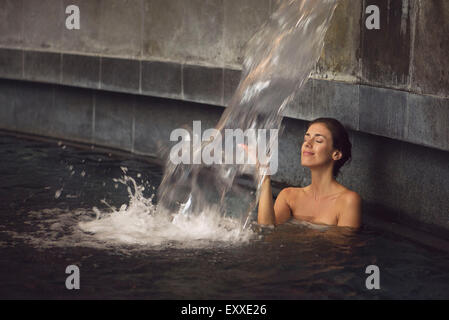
column 47, row 188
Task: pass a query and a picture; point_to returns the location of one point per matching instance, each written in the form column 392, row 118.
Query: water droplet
column 58, row 193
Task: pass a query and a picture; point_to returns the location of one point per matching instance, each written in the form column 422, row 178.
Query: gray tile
column 203, row 31
column 383, row 111
column 11, row 63
column 87, row 38
column 161, row 78
column 337, row 100
column 33, row 102
column 242, row 19
column 153, row 126
column 428, row 121
column 42, row 66
column 375, row 171
column 231, row 83
column 123, row 38
column 41, row 109
column 11, row 23
column 120, row 74
column 71, row 115
column 43, row 24
column 430, row 63
column 8, row 96
column 184, row 30
column 83, row 71
column 424, row 192
column 341, row 51
column 302, row 105
column 114, row 120
column 385, row 53
column 203, row 84
column 163, row 29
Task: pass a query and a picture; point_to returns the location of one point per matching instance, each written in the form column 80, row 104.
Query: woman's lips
column 305, row 153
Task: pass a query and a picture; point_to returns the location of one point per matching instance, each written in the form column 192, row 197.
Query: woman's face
column 317, row 148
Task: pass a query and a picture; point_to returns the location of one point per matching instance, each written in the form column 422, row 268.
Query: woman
column 325, row 150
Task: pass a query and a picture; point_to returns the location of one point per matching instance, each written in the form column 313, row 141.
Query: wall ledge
column 396, row 114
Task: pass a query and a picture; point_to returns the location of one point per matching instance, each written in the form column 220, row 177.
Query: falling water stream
column 199, row 202
column 278, row 60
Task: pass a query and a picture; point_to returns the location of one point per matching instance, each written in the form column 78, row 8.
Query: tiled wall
column 391, row 113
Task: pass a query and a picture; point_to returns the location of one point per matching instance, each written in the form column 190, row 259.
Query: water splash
column 140, row 223
column 132, row 227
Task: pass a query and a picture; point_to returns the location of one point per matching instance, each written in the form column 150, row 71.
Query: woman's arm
column 269, row 213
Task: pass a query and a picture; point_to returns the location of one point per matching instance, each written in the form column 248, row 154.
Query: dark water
column 292, row 262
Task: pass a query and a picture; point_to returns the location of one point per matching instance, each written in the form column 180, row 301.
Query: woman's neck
column 323, row 183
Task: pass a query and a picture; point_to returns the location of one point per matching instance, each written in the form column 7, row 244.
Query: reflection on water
column 40, row 236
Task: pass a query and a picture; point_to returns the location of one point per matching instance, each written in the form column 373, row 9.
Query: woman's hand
column 269, row 213
column 264, row 169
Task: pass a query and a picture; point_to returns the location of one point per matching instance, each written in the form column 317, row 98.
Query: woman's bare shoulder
column 349, row 196
column 292, row 193
column 349, row 201
column 350, row 209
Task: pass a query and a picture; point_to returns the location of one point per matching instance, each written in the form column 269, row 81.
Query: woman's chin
column 306, row 164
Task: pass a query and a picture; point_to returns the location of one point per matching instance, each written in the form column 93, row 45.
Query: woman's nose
column 308, row 144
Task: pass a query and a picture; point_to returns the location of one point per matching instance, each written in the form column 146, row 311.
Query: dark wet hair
column 340, row 140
